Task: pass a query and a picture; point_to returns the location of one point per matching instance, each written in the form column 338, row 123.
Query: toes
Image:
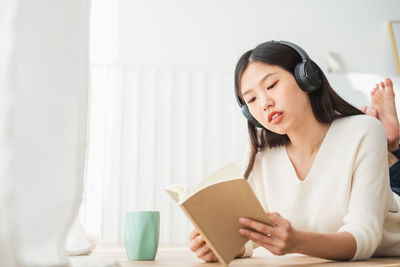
column 388, row 82
column 374, row 113
column 364, row 109
column 382, row 84
column 374, row 90
column 378, row 101
column 370, row 111
column 389, row 86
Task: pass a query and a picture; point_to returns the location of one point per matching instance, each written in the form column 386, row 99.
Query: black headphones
column 306, row 73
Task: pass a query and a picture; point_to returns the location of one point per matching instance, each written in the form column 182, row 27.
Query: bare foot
column 383, row 101
column 371, row 111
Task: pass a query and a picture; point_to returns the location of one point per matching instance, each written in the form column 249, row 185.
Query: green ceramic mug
column 141, row 235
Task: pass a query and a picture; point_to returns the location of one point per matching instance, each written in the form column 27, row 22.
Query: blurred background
column 161, row 102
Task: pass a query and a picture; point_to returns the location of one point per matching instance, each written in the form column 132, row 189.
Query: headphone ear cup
column 313, row 74
column 249, row 117
column 308, row 76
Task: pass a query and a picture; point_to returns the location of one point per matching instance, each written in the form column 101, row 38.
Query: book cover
column 215, row 206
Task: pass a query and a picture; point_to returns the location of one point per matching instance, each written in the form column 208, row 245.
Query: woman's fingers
column 280, row 226
column 196, row 243
column 260, row 227
column 199, row 246
column 210, row 257
column 259, row 238
column 193, row 234
column 279, row 238
column 203, row 251
column 276, row 218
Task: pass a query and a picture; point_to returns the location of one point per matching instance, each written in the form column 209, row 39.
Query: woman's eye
column 251, row 100
column 273, row 85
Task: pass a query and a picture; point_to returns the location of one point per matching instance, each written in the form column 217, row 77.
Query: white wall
column 213, row 34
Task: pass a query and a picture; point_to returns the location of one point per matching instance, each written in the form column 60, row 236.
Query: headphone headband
column 297, row 48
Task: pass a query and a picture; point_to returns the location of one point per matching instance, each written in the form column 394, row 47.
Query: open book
column 215, row 206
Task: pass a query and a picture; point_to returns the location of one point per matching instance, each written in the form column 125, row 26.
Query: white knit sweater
column 346, row 189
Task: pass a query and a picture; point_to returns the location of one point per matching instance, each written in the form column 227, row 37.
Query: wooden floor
column 182, row 256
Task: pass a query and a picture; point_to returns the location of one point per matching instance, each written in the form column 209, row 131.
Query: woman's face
column 274, row 98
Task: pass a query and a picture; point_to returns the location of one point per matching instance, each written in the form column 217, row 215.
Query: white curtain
column 151, row 127
column 8, row 26
column 43, row 87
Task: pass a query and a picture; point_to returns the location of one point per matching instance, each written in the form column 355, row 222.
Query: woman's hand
column 279, row 239
column 199, row 246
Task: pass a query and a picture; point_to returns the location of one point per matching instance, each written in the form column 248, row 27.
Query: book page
column 177, row 192
column 227, row 172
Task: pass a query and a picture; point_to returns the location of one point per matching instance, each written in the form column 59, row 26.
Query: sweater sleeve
column 248, row 249
column 369, row 191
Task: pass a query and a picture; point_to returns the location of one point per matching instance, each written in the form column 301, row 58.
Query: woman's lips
column 276, row 117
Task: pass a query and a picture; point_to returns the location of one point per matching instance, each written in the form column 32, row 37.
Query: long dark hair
column 326, row 104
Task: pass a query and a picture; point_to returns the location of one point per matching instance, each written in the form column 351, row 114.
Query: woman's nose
column 266, row 102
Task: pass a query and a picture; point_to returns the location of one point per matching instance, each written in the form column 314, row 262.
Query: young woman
column 314, row 159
